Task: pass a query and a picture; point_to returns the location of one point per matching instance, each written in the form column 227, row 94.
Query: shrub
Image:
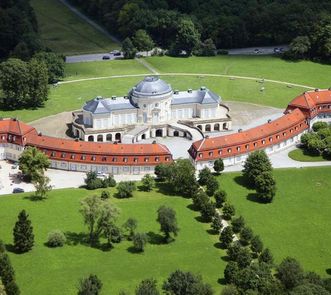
column 56, row 238
column 105, row 195
column 125, row 189
column 139, row 241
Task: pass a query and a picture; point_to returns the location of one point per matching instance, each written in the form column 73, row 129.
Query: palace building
column 134, row 158
column 151, row 109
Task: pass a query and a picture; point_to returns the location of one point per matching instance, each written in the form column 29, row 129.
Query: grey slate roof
column 150, row 86
column 106, row 105
column 202, row 96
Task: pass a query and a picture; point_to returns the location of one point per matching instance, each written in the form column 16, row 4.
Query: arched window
column 159, row 133
column 109, row 137
column 91, row 138
column 176, row 133
column 118, row 136
column 200, row 127
column 208, row 128
column 216, row 127
column 100, row 137
column 224, row 126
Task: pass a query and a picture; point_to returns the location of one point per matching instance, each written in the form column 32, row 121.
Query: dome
column 150, row 86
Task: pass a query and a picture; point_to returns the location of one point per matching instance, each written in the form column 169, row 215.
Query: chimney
column 240, row 130
column 269, row 121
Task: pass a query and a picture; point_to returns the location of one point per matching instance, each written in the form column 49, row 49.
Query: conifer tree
column 23, row 233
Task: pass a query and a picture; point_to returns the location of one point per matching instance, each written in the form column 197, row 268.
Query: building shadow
column 69, row 131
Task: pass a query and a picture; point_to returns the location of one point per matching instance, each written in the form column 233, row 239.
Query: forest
column 229, row 23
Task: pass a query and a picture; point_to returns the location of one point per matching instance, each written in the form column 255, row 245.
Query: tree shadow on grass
column 74, row 239
column 201, row 219
column 212, row 231
column 241, row 180
column 155, row 239
column 192, row 207
column 253, row 197
column 328, row 271
column 221, row 281
column 34, row 198
column 164, row 189
column 219, row 245
column 10, row 248
column 133, row 250
column 225, row 258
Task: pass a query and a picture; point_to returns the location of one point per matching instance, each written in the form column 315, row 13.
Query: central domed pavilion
column 151, row 109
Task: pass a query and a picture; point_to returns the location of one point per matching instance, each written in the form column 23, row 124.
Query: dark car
column 18, row 190
column 106, row 57
column 116, row 53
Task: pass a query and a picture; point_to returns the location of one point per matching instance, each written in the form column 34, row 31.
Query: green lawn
column 57, row 271
column 64, row 32
column 297, row 223
column 268, row 67
column 302, row 156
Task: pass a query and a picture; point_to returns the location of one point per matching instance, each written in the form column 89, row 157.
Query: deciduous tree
column 90, row 285
column 226, row 236
column 139, row 241
column 166, row 216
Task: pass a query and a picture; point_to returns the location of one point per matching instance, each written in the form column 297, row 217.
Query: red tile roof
column 15, row 127
column 68, row 145
column 310, row 99
column 253, row 134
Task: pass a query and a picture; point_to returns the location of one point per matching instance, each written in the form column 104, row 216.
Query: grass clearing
column 57, row 271
column 302, row 155
column 268, row 67
column 64, row 32
column 297, row 223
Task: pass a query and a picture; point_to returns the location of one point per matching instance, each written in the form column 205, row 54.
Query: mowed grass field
column 57, row 271
column 297, row 223
column 302, row 156
column 64, row 32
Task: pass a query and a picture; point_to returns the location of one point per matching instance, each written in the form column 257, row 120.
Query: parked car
column 106, row 57
column 18, row 190
column 115, row 52
column 257, row 51
column 276, row 50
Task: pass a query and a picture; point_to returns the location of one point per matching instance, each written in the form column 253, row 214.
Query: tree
column 206, row 48
column 56, row 238
column 226, row 236
column 2, row 288
column 207, row 211
column 128, row 49
column 233, row 251
column 147, row 182
column 23, row 233
column 14, row 78
column 204, row 175
column 182, row 177
column 266, row 257
column 55, row 65
column 200, row 199
column 167, row 218
column 218, row 166
column 105, row 195
column 99, row 216
column 228, row 211
column 125, row 189
column 162, row 171
column 7, row 273
column 217, row 224
column 256, row 245
column 42, row 186
column 309, row 289
column 290, row 273
column 244, row 257
column 142, row 41
column 265, row 186
column 90, row 285
column 187, row 37
column 220, row 198
column 12, row 288
column 300, row 46
column 147, row 287
column 238, row 224
column 246, row 235
column 92, row 181
column 130, row 226
column 230, row 272
column 212, row 185
column 230, row 290
column 256, row 163
column 33, row 163
column 139, row 241
column 38, row 82
column 318, row 126
column 185, row 283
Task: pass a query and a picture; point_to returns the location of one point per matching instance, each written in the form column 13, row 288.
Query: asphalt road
column 90, row 57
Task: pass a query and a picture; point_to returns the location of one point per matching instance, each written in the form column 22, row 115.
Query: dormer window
column 146, row 159
column 53, row 154
column 72, row 156
column 63, row 155
column 220, row 152
column 125, row 160
column 210, row 154
column 135, row 160
column 200, row 155
column 93, row 158
column 83, row 157
column 157, row 159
